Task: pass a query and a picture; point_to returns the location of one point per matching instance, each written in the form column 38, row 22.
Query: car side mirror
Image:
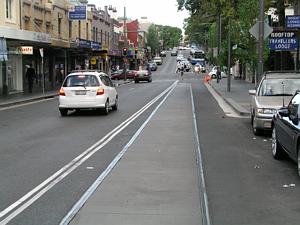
column 284, row 112
column 252, row 92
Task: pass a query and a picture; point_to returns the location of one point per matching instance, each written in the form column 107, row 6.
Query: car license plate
column 268, row 125
column 81, row 92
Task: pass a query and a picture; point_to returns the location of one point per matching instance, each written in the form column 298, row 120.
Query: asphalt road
column 36, row 143
column 245, row 184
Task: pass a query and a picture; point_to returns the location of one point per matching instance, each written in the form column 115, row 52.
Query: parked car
column 152, row 66
column 274, row 90
column 143, row 75
column 122, row 74
column 87, row 90
column 174, row 52
column 213, row 73
column 163, row 54
column 157, row 60
column 286, row 131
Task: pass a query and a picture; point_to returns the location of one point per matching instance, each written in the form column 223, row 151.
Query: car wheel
column 277, row 151
column 115, row 106
column 106, row 108
column 63, row 112
column 213, row 76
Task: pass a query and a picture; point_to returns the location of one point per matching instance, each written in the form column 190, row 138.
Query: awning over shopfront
column 11, row 33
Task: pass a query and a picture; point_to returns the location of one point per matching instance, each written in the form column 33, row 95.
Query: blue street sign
column 292, row 21
column 84, row 43
column 283, row 44
column 96, row 45
column 78, row 13
column 283, row 41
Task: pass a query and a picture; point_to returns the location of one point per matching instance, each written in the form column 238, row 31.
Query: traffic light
column 125, row 51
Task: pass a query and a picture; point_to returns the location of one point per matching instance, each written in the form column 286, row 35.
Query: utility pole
column 229, row 57
column 260, row 68
column 125, row 28
column 125, row 41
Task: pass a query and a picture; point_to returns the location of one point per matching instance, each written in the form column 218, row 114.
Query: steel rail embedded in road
column 29, row 198
column 201, row 179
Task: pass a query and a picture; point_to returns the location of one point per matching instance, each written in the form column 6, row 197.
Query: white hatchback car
column 87, row 90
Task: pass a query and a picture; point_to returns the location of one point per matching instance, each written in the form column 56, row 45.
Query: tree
column 243, row 16
column 169, row 36
column 152, row 39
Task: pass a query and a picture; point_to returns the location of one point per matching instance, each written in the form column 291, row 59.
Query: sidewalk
column 238, row 97
column 156, row 181
column 25, row 97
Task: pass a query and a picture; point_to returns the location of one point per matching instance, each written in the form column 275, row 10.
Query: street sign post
column 254, row 30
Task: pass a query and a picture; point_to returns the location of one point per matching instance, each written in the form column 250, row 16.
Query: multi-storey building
column 42, row 33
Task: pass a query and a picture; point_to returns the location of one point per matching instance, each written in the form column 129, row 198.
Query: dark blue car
column 286, row 131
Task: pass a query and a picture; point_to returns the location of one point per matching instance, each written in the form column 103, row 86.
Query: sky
column 161, row 12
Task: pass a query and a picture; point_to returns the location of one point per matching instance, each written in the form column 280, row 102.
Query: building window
column 59, row 25
column 87, row 31
column 101, row 38
column 48, row 28
column 9, row 9
column 70, row 29
column 96, row 34
column 105, row 38
column 108, row 39
column 79, row 27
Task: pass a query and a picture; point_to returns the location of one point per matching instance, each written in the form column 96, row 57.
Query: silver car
column 274, row 91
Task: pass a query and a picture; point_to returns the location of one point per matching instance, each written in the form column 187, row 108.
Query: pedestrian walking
column 30, row 76
column 218, row 74
column 178, row 66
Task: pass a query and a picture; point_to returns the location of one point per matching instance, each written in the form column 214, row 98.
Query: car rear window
column 279, row 87
column 81, row 80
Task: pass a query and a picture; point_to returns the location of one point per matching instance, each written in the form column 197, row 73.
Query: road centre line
column 84, row 198
column 76, row 162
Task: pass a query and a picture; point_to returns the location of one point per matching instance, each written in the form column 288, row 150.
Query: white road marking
column 26, row 104
column 50, row 182
column 90, row 167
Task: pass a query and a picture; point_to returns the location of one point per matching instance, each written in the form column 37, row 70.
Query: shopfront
column 17, row 55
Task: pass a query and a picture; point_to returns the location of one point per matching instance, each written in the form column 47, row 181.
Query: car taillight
column 62, row 92
column 100, row 91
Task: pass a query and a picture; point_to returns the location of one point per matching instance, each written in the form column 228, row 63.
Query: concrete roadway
column 244, row 184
